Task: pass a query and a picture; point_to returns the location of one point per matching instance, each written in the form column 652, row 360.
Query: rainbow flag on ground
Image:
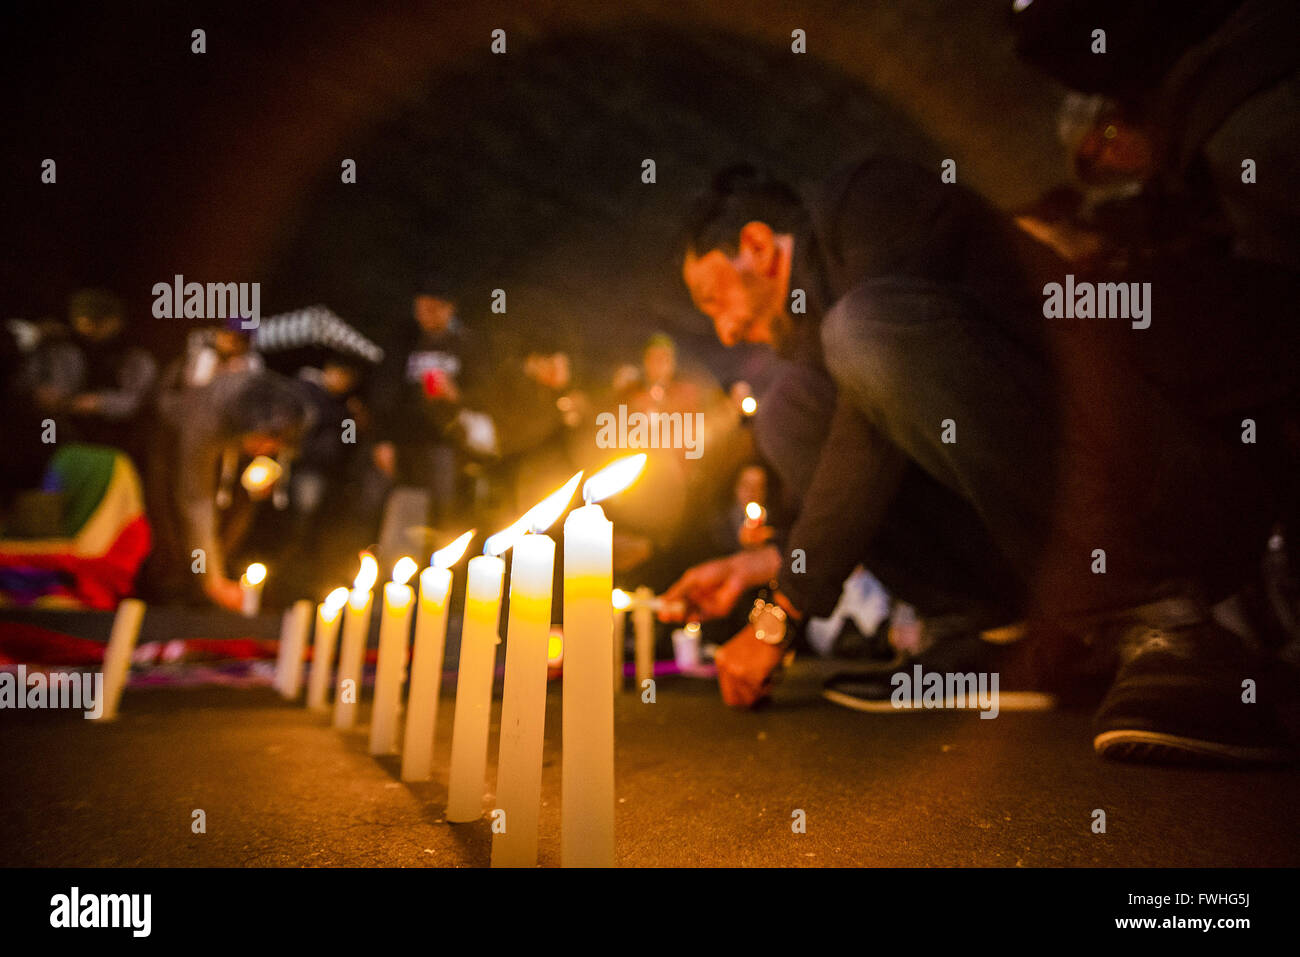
column 107, row 535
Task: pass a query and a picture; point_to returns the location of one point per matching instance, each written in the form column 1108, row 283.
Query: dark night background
column 519, row 171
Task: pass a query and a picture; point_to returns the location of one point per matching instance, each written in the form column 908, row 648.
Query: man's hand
column 712, row 589
column 224, row 592
column 745, row 668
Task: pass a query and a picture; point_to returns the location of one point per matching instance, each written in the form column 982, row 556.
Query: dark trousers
column 1062, row 451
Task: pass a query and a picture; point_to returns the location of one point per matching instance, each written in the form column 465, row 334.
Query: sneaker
column 1178, row 699
column 899, row 690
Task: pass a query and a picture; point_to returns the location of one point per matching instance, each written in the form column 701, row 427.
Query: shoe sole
column 1007, row 701
column 1156, row 747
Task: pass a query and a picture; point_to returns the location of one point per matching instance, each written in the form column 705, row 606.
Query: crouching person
column 206, row 437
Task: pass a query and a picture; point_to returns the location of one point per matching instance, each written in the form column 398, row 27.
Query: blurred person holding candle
column 679, row 488
column 202, row 431
column 917, row 316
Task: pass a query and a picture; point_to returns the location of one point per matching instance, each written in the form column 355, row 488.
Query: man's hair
column 95, row 304
column 271, row 404
column 740, row 194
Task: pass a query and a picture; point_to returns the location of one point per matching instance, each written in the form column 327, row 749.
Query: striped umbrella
column 313, row 326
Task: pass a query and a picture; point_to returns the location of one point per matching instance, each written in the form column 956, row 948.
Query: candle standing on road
column 523, row 699
column 394, row 639
column 426, row 660
column 328, row 618
column 587, row 770
column 352, row 654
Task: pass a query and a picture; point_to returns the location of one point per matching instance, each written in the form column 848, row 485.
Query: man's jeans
column 1022, row 465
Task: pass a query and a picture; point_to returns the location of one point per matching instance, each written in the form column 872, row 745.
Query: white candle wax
column 117, row 656
column 469, row 733
column 250, row 589
column 643, row 624
column 523, row 701
column 293, row 648
column 620, row 637
column 426, row 674
column 394, row 634
column 587, row 769
column 352, row 658
column 328, row 620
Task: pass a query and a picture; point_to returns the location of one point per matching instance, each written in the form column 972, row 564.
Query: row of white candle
column 591, row 653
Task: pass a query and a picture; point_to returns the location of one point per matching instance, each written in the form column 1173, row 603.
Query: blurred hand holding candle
column 394, row 633
column 352, row 654
column 754, row 530
column 328, row 617
column 523, row 701
column 426, row 660
column 250, row 589
column 260, row 477
column 587, row 772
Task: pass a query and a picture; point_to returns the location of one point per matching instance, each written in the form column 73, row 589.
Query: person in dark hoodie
column 973, row 454
column 95, row 383
column 418, row 396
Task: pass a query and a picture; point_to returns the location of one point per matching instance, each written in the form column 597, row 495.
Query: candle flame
column 404, row 569
column 368, row 574
column 334, row 602
column 255, row 574
column 753, row 511
column 449, row 555
column 537, row 519
column 622, row 600
column 545, row 513
column 261, row 472
column 749, row 405
column 613, row 478
column 554, row 646
column 502, row 541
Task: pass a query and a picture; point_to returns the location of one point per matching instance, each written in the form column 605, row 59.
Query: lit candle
column 261, row 474
column 621, row 601
column 555, row 652
column 394, row 635
column 329, row 615
column 293, row 648
column 478, row 652
column 117, row 656
column 250, row 589
column 523, row 697
column 426, row 661
column 644, row 625
column 587, row 768
column 352, row 654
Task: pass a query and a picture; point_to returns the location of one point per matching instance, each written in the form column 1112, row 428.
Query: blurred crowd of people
column 299, row 459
